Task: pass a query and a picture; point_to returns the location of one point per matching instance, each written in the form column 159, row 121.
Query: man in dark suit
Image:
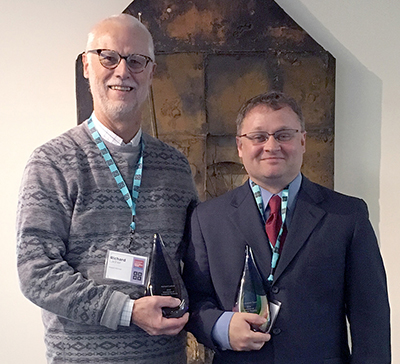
column 329, row 271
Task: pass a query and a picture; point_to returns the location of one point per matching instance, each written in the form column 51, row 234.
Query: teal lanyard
column 137, row 179
column 260, row 205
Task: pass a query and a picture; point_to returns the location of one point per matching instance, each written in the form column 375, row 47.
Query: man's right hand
column 147, row 314
column 242, row 337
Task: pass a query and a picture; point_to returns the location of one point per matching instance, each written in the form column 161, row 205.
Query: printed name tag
column 125, row 267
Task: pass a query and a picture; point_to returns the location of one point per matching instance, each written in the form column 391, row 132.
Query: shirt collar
column 294, row 188
column 109, row 136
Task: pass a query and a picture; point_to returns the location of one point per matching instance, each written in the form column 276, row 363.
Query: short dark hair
column 275, row 100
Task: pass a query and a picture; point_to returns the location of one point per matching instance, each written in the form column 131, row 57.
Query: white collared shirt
column 109, row 136
column 294, row 188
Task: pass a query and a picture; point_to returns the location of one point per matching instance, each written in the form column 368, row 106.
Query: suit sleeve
column 204, row 308
column 366, row 296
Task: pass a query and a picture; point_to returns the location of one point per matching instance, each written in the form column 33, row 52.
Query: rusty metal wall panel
column 212, row 56
column 240, row 48
column 178, row 106
column 197, row 96
column 179, row 94
column 231, row 80
column 310, row 79
column 224, row 168
column 220, row 25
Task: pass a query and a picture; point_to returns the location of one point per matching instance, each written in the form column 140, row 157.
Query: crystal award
column 252, row 297
column 164, row 279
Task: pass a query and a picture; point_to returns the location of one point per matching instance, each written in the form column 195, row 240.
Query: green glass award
column 164, row 279
column 252, row 297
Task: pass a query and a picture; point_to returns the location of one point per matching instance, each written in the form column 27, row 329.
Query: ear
column 153, row 70
column 85, row 63
column 303, row 141
column 239, row 146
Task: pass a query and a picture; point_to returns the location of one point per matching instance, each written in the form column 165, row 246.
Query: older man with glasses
column 315, row 250
column 90, row 202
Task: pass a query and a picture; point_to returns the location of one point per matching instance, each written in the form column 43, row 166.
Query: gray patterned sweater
column 70, row 212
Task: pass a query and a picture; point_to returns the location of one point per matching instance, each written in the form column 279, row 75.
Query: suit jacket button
column 275, row 289
column 276, row 331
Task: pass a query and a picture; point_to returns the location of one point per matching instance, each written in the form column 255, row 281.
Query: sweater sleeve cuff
column 112, row 313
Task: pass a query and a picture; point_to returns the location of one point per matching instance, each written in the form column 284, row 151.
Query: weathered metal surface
column 196, row 109
column 212, row 56
column 220, row 25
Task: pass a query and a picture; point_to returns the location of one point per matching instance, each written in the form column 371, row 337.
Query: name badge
column 126, row 267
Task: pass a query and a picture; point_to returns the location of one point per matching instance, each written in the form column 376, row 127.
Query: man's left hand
column 147, row 314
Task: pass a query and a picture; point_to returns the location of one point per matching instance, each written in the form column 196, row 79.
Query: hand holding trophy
column 252, row 296
column 164, row 279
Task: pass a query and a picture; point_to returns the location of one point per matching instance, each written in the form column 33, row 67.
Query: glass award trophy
column 252, row 297
column 164, row 279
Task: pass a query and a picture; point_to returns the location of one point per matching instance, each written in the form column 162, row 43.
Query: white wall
column 363, row 37
column 39, row 43
column 40, row 40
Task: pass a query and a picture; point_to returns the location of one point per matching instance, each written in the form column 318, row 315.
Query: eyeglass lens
column 281, row 136
column 111, row 59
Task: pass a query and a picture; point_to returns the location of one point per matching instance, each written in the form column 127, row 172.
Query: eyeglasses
column 260, row 137
column 111, row 59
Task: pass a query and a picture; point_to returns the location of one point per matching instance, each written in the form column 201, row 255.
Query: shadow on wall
column 358, row 115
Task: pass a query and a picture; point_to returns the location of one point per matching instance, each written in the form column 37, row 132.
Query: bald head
column 113, row 26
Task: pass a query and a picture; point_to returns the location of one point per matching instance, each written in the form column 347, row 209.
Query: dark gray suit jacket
column 330, row 269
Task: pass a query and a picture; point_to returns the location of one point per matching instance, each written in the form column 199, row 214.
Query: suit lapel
column 305, row 218
column 247, row 221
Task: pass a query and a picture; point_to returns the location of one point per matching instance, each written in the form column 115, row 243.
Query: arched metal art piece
column 211, row 57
